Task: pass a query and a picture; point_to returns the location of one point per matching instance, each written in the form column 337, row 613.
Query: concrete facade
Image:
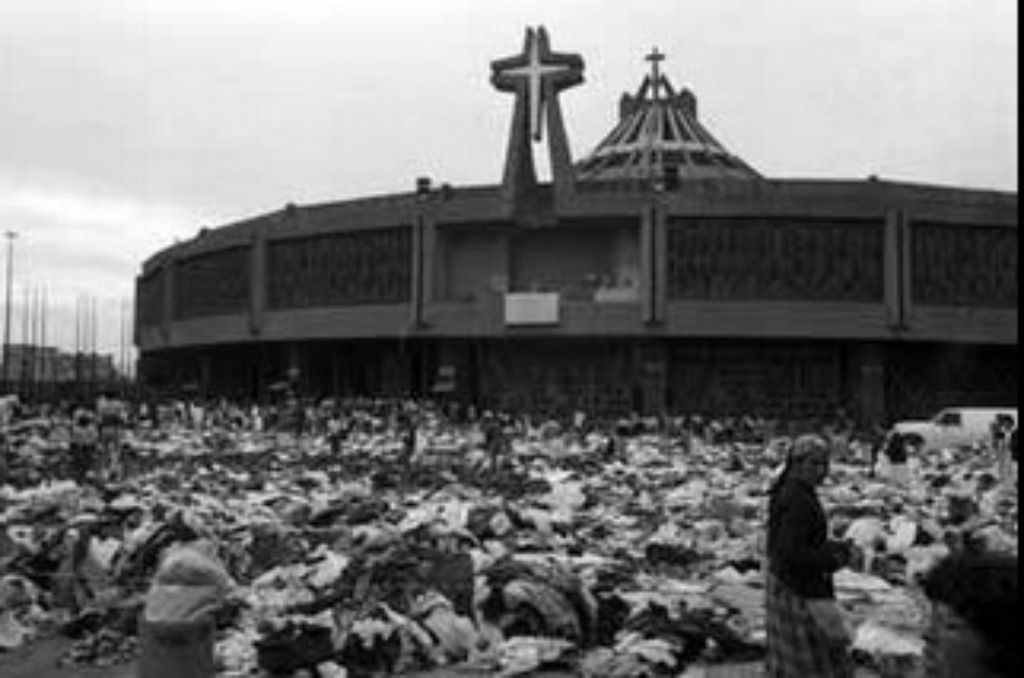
column 661, row 287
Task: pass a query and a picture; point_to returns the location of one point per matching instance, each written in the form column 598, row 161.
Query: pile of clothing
column 641, row 562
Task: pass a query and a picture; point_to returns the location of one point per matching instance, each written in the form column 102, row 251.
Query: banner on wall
column 531, row 308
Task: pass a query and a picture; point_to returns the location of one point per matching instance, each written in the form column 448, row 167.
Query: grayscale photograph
column 509, row 338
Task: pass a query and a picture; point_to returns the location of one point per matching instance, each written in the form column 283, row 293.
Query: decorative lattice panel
column 810, row 260
column 964, row 265
column 341, row 269
column 149, row 295
column 212, row 284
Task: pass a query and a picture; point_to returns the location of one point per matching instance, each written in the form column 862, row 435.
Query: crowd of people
column 973, row 592
column 95, row 427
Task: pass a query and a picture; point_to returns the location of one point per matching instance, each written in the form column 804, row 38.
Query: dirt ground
column 39, row 660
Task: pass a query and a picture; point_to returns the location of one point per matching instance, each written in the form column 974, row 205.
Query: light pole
column 10, row 235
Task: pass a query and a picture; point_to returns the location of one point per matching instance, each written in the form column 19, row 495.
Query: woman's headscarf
column 803, row 446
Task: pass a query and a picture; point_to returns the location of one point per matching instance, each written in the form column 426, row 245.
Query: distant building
column 661, row 273
column 48, row 364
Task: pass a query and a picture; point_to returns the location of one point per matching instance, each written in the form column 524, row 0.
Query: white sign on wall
column 531, row 308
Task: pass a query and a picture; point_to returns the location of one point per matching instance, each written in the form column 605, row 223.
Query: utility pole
column 78, row 343
column 44, row 372
column 33, row 338
column 86, row 336
column 26, row 316
column 92, row 349
column 122, row 361
column 10, row 235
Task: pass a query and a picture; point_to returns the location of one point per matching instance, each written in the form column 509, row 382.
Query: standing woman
column 806, row 633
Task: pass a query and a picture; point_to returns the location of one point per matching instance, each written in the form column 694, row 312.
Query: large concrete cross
column 536, row 73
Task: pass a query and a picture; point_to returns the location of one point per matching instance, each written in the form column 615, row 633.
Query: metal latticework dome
column 658, row 135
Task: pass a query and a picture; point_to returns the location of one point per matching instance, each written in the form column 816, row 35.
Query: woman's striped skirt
column 797, row 647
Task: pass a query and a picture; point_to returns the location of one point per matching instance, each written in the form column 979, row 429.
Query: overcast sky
column 127, row 124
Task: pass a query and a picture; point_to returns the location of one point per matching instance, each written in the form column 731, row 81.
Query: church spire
column 658, row 133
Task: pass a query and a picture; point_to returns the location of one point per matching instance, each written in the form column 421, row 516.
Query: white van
column 954, row 427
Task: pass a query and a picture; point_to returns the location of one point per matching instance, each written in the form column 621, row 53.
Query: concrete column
column 428, row 261
column 872, row 384
column 650, row 364
column 258, row 280
column 137, row 314
column 169, row 273
column 648, row 276
column 520, row 176
column 660, row 224
column 562, row 174
column 205, row 373
column 892, row 269
column 906, row 269
column 416, row 277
